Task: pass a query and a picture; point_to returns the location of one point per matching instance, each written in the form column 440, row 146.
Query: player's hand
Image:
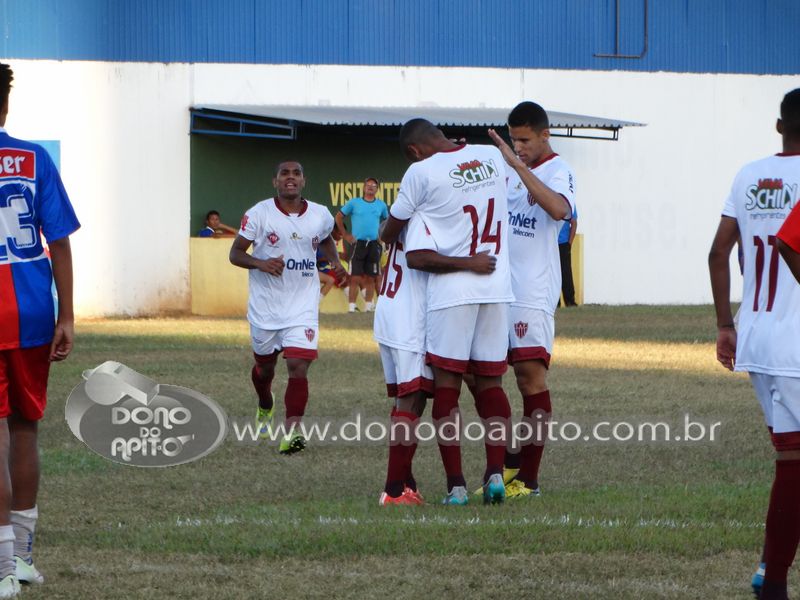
column 506, row 150
column 349, row 238
column 340, row 272
column 62, row 340
column 483, row 263
column 726, row 347
column 272, row 266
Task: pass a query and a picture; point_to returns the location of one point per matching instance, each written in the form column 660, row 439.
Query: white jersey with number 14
column 461, row 195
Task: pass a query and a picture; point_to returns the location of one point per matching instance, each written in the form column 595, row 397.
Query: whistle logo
column 128, row 418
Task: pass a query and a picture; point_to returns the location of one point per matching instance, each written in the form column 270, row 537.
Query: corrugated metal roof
column 395, row 116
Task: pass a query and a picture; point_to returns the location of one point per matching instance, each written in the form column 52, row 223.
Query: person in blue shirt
column 215, row 228
column 565, row 238
column 365, row 215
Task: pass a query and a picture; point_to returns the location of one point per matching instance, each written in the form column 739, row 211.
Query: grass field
column 616, row 520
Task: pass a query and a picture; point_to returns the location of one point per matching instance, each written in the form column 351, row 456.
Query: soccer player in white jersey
column 399, row 330
column 283, row 307
column 459, row 190
column 541, row 193
column 766, row 344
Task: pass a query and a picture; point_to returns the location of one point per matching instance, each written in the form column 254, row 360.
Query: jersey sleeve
column 410, row 195
column 57, row 217
column 347, row 209
column 418, row 237
column 251, row 225
column 564, row 183
column 384, row 211
column 789, row 232
column 729, row 210
column 327, row 224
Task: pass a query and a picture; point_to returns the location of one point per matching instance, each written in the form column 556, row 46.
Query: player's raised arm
column 553, row 203
column 720, row 273
column 430, row 261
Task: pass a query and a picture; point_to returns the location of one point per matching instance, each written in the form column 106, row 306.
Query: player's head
column 789, row 123
column 419, row 139
column 529, row 129
column 212, row 219
column 6, row 77
column 371, row 186
column 289, row 179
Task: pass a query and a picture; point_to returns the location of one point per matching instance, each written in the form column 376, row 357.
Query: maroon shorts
column 23, row 382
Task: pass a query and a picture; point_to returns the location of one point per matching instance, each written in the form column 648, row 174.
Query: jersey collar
column 541, row 161
column 280, row 208
column 788, row 154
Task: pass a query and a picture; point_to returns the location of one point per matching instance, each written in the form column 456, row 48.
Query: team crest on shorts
column 520, row 329
column 315, row 243
column 310, row 334
column 273, row 238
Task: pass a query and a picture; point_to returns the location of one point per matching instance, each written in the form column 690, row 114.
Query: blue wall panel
column 726, row 36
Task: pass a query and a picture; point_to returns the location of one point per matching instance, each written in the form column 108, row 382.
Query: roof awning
column 287, row 117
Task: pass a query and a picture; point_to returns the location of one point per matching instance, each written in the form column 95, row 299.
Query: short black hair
column 790, row 114
column 6, row 77
column 211, row 213
column 417, row 131
column 530, row 114
column 283, row 162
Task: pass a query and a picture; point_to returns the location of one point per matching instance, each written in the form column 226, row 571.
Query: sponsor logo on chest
column 17, row 163
column 472, row 172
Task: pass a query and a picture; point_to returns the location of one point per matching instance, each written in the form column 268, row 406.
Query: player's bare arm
column 346, row 235
column 553, row 203
column 792, row 258
column 240, row 257
column 720, row 272
column 392, row 229
column 328, row 247
column 61, row 257
column 482, row 263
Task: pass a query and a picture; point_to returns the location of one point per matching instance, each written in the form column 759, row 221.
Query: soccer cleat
column 292, row 444
column 9, row 586
column 401, row 500
column 415, row 495
column 27, row 572
column 457, row 496
column 508, row 477
column 264, row 421
column 494, row 492
column 517, row 489
column 758, row 579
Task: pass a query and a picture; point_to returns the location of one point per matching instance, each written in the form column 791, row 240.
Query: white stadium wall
column 649, row 203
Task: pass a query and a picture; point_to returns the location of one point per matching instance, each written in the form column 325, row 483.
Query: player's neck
column 369, row 198
column 291, row 205
column 791, row 146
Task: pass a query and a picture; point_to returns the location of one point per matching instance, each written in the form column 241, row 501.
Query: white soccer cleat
column 9, row 586
column 27, row 573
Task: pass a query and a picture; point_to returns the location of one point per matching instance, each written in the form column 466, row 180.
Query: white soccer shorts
column 780, row 400
column 295, row 342
column 530, row 334
column 469, row 336
column 405, row 372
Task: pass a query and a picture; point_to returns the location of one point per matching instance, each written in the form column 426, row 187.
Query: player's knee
column 532, row 378
column 298, row 369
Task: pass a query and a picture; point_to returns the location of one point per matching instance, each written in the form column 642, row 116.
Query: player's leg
column 266, row 347
column 488, row 363
column 567, row 283
column 356, row 273
column 783, row 515
column 299, row 350
column 29, row 371
column 449, row 334
column 531, row 334
column 326, row 283
column 9, row 584
column 371, row 270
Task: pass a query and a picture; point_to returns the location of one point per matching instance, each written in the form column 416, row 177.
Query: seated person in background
column 215, row 228
column 327, row 274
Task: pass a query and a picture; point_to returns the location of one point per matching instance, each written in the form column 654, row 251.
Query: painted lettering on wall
column 342, row 191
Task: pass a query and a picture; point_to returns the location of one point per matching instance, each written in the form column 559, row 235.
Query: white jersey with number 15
column 461, row 195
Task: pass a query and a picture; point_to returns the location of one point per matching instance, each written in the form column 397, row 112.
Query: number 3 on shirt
column 773, row 270
column 21, row 240
column 487, row 237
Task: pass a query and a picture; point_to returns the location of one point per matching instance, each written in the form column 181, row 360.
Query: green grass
column 622, row 520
